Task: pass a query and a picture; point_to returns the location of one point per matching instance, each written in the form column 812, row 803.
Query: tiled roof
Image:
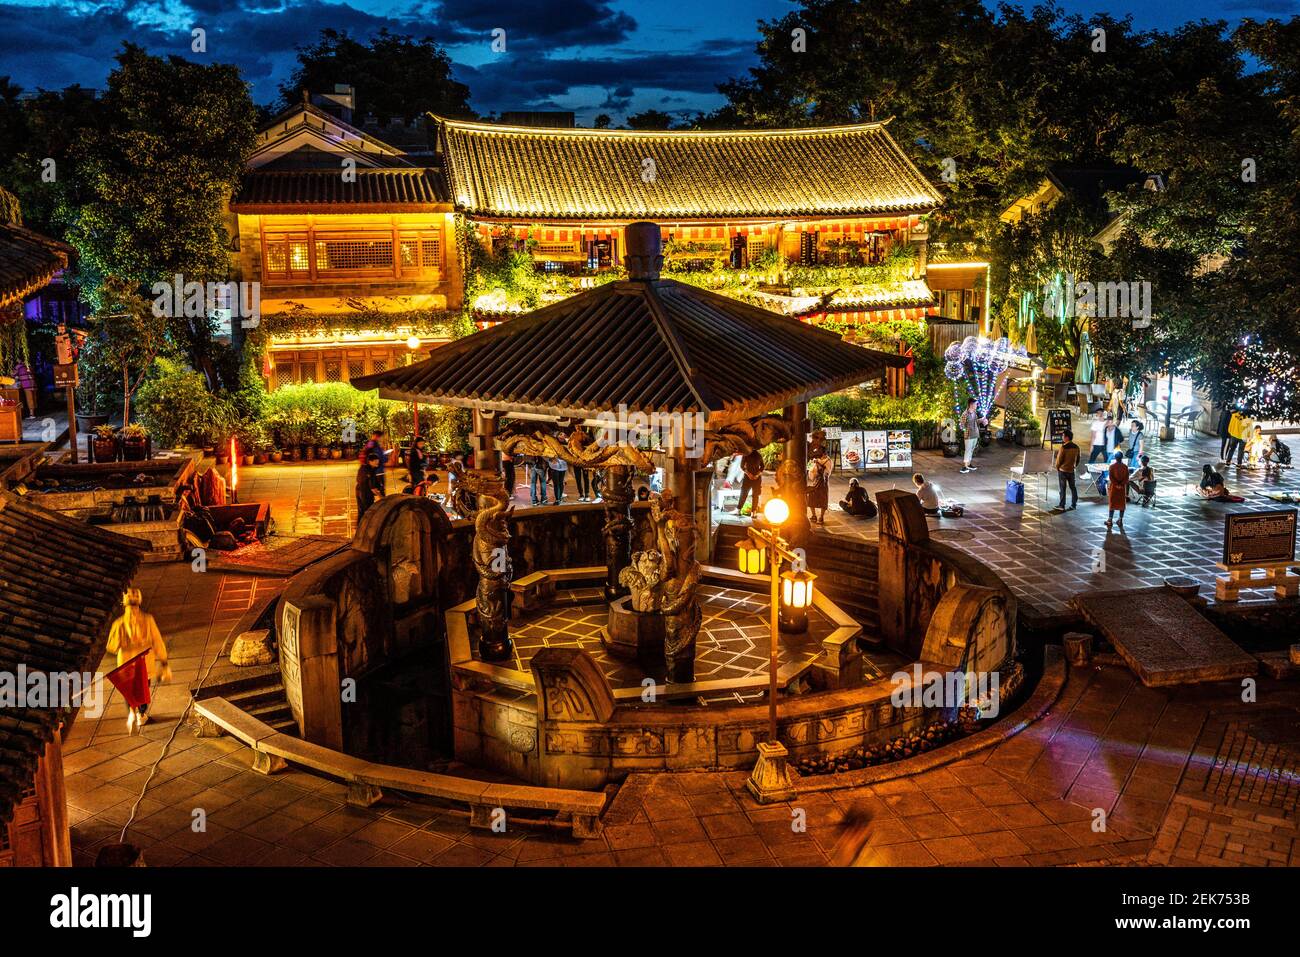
column 61, row 584
column 382, row 189
column 28, row 261
column 652, row 346
column 603, row 174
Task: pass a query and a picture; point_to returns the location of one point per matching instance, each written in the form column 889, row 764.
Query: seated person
column 1257, row 447
column 1213, row 489
column 1143, row 482
column 858, row 502
column 1277, row 453
column 927, row 493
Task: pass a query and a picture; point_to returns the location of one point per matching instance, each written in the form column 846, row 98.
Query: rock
column 252, row 648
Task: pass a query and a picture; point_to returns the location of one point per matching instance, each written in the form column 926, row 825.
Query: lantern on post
column 796, row 599
column 751, row 558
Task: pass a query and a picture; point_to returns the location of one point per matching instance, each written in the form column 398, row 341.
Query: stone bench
column 272, row 751
column 531, row 593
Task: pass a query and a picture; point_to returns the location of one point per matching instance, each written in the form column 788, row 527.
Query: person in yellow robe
column 133, row 633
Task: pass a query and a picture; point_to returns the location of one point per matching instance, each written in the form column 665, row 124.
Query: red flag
column 132, row 679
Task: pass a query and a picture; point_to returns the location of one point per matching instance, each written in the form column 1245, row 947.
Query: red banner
column 132, row 679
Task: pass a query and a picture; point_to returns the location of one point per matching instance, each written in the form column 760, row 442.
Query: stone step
column 258, row 695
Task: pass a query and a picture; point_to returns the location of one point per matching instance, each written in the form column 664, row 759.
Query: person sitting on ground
column 1278, row 453
column 857, row 502
column 1143, row 482
column 1212, row 488
column 927, row 494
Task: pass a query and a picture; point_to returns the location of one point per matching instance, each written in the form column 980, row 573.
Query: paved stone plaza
column 732, row 643
column 1184, row 775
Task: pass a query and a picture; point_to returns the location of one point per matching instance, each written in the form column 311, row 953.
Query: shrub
column 174, row 404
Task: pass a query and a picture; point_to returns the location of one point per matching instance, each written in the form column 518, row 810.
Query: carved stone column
column 792, row 473
column 617, row 493
column 484, row 441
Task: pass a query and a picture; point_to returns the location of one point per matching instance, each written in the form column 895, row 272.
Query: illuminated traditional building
column 359, row 245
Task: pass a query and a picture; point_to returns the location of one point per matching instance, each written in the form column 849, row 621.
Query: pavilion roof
column 370, row 190
column 514, row 171
column 28, row 261
column 652, row 346
column 61, row 584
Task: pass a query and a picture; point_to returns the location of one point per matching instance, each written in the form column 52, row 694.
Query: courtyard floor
column 1182, row 775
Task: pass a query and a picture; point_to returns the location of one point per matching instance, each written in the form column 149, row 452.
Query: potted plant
column 105, row 443
column 134, row 443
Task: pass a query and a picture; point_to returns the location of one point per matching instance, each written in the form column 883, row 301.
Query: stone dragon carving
column 738, row 438
column 578, row 449
column 679, row 598
column 481, row 497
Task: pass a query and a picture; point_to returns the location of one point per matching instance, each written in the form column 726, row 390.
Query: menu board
column 852, row 451
column 900, row 448
column 1259, row 538
column 1058, row 421
column 876, row 447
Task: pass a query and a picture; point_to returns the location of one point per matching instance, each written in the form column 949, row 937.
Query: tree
column 157, row 173
column 1038, row 260
column 649, row 120
column 602, row 121
column 395, row 76
column 126, row 334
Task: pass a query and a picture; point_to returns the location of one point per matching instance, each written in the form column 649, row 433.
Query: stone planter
column 1030, row 439
column 247, row 460
column 277, row 456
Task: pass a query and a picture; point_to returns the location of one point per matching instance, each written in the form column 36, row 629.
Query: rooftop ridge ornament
column 644, row 258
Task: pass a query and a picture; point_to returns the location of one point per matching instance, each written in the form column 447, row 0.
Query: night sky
column 591, row 56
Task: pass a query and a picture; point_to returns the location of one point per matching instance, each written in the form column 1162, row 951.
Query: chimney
column 644, row 251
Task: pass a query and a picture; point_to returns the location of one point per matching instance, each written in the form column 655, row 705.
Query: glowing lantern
column 776, row 511
column 234, row 466
column 797, row 589
column 751, row 558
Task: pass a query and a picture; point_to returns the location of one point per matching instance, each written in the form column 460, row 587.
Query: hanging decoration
column 976, row 367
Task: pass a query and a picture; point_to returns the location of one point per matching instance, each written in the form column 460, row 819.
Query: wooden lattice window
column 356, row 368
column 333, row 370
column 354, row 255
column 379, row 365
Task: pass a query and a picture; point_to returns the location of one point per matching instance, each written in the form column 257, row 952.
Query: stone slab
column 1163, row 639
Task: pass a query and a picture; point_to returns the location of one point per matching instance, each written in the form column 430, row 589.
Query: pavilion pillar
column 486, row 456
column 792, row 473
column 617, row 494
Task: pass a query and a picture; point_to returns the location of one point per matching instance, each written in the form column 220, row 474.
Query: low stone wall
column 573, row 734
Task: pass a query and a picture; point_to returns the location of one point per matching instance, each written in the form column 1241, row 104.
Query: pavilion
column 652, row 349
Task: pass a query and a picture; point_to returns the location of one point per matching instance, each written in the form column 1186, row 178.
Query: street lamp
column 412, row 344
column 770, row 780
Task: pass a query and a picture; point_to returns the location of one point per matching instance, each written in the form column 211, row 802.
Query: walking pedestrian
column 1067, row 464
column 416, row 462
column 819, row 487
column 537, row 475
column 1116, row 490
column 752, row 484
column 508, row 474
column 375, row 444
column 1136, row 444
column 559, row 468
column 1098, row 441
column 136, row 633
column 971, row 421
column 369, row 483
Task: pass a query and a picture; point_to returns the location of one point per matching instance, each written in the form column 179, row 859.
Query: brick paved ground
column 1109, row 743
column 1146, row 758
